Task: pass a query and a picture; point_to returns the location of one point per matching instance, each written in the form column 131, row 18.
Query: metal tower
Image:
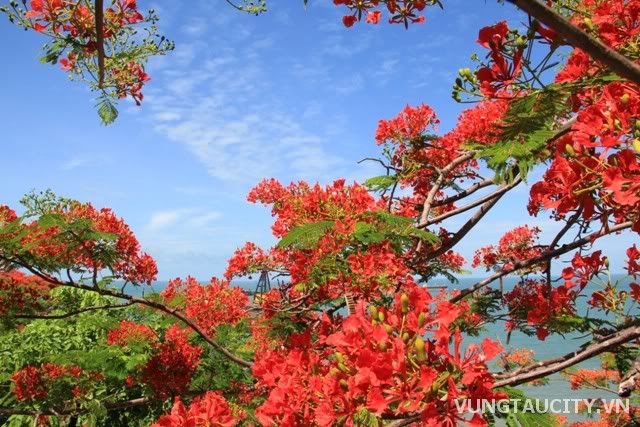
column 264, row 284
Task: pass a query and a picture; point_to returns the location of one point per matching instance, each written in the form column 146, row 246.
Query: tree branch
column 580, row 39
column 518, row 265
column 471, row 222
column 71, row 313
column 424, row 217
column 499, row 192
column 99, row 21
column 464, row 193
column 62, row 411
column 152, row 304
column 547, row 367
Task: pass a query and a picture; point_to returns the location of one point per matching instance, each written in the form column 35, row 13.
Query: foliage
column 353, row 336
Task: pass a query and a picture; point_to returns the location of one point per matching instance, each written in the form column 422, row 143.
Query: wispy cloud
column 74, row 162
column 204, row 219
column 185, row 217
column 83, row 160
column 163, row 219
column 226, row 112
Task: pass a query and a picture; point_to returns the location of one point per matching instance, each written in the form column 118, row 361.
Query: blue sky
column 290, row 94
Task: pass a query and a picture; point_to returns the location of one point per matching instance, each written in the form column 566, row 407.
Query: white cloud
column 162, row 219
column 74, row 162
column 204, row 219
column 195, row 27
column 83, row 160
column 189, row 218
column 226, row 112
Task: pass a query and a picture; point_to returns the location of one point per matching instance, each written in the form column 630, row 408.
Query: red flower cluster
column 124, row 12
column 502, row 71
column 518, row 244
column 210, row 410
column 584, row 268
column 20, row 293
column 208, row 305
column 170, row 369
column 418, row 153
column 248, row 259
column 129, row 332
column 596, row 166
column 478, row 124
column 536, row 304
column 592, row 377
column 409, row 124
column 7, row 215
column 519, row 357
column 402, row 11
column 299, row 203
column 34, row 383
column 29, row 384
column 378, row 363
column 75, row 20
column 129, row 81
column 101, row 230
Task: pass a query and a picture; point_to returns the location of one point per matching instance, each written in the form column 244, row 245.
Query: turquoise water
column 555, row 345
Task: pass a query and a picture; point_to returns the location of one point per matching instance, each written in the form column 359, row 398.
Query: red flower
column 500, row 73
column 130, row 333
column 210, row 410
column 349, row 20
column 374, row 17
column 210, row 305
column 170, row 369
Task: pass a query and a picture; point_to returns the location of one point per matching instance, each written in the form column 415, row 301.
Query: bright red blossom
column 209, row 305
column 170, row 369
column 210, row 410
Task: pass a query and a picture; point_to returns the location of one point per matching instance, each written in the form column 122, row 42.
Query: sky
column 290, row 94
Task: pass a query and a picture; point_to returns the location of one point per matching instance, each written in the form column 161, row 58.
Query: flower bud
column 382, row 345
column 388, row 328
column 570, row 151
column 624, row 99
column 636, row 145
column 381, row 316
column 465, row 73
column 588, row 23
column 422, row 318
column 404, row 302
column 344, row 384
column 405, row 336
column 418, row 345
column 339, row 357
column 373, row 311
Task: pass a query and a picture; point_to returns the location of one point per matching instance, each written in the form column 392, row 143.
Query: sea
column 554, row 345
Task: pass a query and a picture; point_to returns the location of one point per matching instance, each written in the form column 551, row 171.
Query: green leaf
column 380, row 183
column 425, row 235
column 305, row 236
column 365, row 418
column 368, row 233
column 526, row 128
column 395, row 221
column 107, row 111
